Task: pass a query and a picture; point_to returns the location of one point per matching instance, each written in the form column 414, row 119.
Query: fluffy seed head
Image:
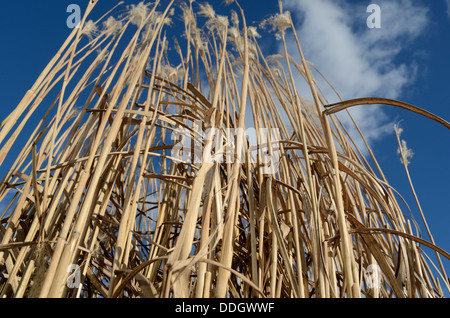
column 234, row 33
column 221, row 22
column 279, row 22
column 188, row 16
column 138, row 13
column 156, row 19
column 405, row 153
column 206, row 10
column 90, row 29
column 234, row 19
column 252, row 32
column 112, row 25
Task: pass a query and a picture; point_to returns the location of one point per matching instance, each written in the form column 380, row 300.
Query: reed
column 105, row 202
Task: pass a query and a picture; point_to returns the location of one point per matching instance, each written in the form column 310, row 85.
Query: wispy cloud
column 358, row 61
column 448, row 7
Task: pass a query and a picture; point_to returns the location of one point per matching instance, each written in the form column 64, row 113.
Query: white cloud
column 448, row 7
column 358, row 61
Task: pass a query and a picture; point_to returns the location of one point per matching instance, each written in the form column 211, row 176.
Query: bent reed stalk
column 102, row 201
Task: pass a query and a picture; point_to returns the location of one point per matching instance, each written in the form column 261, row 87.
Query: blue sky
column 407, row 59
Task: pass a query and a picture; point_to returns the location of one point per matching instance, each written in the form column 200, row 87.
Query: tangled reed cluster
column 98, row 204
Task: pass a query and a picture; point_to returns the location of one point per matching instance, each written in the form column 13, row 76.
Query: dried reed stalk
column 102, row 205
